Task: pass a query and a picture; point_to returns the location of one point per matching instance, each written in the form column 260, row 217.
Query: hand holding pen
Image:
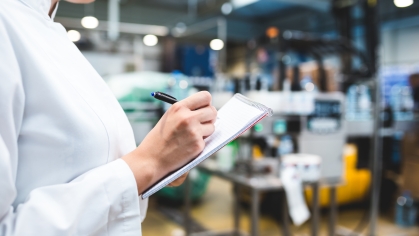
column 179, row 136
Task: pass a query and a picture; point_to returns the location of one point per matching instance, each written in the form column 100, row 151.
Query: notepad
column 234, row 118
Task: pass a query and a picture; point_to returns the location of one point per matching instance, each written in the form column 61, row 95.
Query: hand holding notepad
column 234, row 118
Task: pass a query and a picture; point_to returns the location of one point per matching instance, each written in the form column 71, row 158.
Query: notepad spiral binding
column 254, row 104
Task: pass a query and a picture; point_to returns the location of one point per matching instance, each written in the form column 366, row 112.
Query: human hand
column 179, row 180
column 176, row 139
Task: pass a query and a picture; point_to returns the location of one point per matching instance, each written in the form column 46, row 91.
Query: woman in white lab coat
column 68, row 160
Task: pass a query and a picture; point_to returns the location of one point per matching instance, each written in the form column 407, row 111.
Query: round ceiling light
column 403, row 3
column 89, row 22
column 272, row 32
column 150, row 40
column 216, row 44
column 226, row 8
column 183, row 84
column 74, row 35
column 309, row 86
column 181, row 27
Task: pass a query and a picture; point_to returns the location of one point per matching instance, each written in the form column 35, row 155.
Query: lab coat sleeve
column 103, row 201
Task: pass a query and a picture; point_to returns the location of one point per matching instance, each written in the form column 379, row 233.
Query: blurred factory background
column 342, row 77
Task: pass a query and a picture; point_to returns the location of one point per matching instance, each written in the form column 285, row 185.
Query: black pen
column 164, row 97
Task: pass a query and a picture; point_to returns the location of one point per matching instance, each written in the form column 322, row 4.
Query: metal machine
column 324, row 134
column 318, row 129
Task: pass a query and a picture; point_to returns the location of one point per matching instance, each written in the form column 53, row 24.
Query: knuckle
column 196, row 140
column 200, row 144
column 176, row 107
column 191, row 133
column 185, row 120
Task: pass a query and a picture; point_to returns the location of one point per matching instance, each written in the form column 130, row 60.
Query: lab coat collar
column 41, row 6
column 55, row 10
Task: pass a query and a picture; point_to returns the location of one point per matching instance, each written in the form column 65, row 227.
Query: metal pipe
column 376, row 162
column 192, row 8
column 333, row 211
column 372, row 42
column 187, row 207
column 222, row 34
column 254, row 226
column 199, row 27
column 316, row 211
column 285, row 220
column 236, row 210
column 113, row 21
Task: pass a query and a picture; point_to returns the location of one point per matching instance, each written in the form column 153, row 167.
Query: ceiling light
column 150, row 40
column 403, row 3
column 89, row 22
column 74, row 35
column 242, row 3
column 183, row 84
column 226, row 8
column 309, row 86
column 181, row 27
column 272, row 32
column 216, row 44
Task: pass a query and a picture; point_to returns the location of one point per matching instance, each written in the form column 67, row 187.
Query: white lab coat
column 62, row 133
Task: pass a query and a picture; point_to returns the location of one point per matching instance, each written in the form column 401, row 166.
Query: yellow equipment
column 355, row 184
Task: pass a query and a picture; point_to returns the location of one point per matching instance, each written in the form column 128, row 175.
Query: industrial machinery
column 324, row 134
column 318, row 128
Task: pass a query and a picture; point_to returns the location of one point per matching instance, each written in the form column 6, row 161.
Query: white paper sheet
column 293, row 186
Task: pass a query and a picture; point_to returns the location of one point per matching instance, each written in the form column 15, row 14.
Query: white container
column 307, row 165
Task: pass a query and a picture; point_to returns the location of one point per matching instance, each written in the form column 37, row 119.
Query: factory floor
column 215, row 213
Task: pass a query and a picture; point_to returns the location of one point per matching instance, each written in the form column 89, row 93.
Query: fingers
column 207, row 114
column 207, row 129
column 179, row 180
column 197, row 100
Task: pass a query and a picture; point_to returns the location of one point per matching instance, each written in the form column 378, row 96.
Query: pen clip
column 165, row 94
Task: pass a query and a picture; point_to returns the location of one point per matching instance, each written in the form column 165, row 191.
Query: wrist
column 143, row 168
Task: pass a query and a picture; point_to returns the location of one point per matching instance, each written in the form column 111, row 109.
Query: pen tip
column 152, row 94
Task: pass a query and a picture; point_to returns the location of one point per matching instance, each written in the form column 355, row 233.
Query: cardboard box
column 410, row 178
column 311, row 69
column 410, row 147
